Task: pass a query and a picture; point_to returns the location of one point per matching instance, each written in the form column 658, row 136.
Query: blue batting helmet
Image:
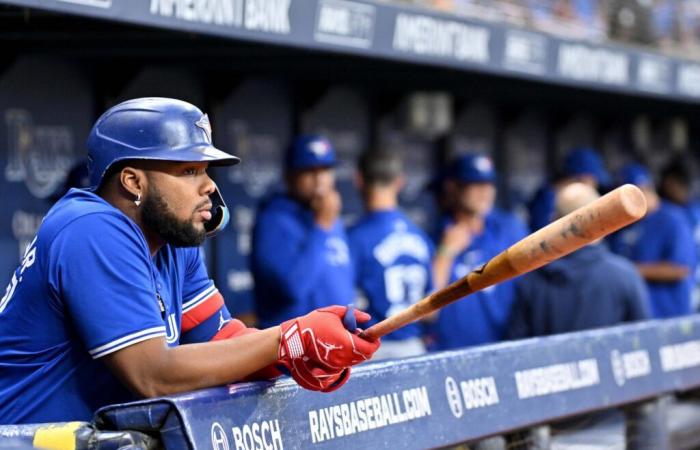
column 156, row 129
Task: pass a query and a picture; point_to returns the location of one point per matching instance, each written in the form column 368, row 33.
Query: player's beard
column 156, row 215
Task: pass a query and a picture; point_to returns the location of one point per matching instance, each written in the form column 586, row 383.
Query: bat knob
column 349, row 321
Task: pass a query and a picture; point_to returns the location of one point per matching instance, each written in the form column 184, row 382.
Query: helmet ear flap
column 219, row 214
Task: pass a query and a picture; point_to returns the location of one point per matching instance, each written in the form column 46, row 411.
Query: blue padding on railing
column 436, row 400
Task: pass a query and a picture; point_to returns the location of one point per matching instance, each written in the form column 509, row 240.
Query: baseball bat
column 589, row 223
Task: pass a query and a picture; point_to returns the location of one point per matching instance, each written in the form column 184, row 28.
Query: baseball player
column 392, row 256
column 474, row 232
column 300, row 256
column 112, row 300
column 660, row 245
column 581, row 165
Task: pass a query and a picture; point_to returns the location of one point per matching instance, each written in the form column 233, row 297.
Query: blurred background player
column 391, row 255
column 588, row 288
column 300, row 256
column 473, row 233
column 676, row 186
column 660, row 245
column 582, row 165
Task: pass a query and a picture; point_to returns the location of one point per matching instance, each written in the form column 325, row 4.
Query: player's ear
column 133, row 180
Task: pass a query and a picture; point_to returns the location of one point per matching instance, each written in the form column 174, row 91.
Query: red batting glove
column 321, row 337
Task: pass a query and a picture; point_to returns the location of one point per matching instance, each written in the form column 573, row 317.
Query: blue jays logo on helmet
column 204, row 124
column 155, row 128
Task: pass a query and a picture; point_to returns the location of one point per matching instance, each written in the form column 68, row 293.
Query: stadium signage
column 654, row 74
column 471, row 394
column 385, row 30
column 629, row 365
column 368, row 414
column 429, row 36
column 345, row 23
column 263, row 435
column 217, row 12
column 525, row 52
column 557, row 378
column 688, row 79
column 270, row 16
column 680, row 356
column 594, row 64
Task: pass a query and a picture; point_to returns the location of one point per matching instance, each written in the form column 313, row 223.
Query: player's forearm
column 663, row 271
column 151, row 370
column 442, row 266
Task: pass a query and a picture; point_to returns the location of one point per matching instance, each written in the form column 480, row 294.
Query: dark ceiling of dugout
column 110, row 53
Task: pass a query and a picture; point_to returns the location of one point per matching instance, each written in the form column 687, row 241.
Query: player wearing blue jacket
column 474, row 233
column 661, row 247
column 581, row 165
column 589, row 288
column 391, row 255
column 112, row 300
column 300, row 256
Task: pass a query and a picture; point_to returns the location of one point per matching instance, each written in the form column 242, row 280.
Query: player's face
column 177, row 204
column 476, row 198
column 307, row 184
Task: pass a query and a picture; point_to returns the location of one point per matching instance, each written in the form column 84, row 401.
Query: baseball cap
column 310, row 151
column 634, row 173
column 586, row 161
column 472, row 168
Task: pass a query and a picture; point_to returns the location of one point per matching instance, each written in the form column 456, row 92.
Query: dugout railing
column 436, row 400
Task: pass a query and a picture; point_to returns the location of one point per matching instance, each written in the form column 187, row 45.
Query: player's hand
column 455, row 239
column 326, row 208
column 321, row 337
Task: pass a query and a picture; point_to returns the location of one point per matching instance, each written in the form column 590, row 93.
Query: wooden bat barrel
column 583, row 226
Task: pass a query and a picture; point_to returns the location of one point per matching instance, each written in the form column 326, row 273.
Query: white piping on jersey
column 125, row 341
column 172, row 330
column 201, row 297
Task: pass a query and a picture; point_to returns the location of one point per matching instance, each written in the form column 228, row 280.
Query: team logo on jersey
column 205, row 125
column 172, row 331
column 337, row 252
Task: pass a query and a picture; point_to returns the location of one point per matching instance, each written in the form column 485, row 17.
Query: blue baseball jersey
column 297, row 265
column 88, row 287
column 692, row 213
column 392, row 259
column 483, row 316
column 662, row 236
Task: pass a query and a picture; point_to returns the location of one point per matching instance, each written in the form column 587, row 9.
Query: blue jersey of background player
column 300, row 257
column 391, row 255
column 113, row 286
column 676, row 186
column 473, row 233
column 661, row 247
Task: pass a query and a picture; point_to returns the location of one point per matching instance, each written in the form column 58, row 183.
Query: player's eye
column 191, row 171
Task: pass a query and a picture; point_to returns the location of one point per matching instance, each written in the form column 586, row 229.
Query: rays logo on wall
column 262, row 154
column 38, row 155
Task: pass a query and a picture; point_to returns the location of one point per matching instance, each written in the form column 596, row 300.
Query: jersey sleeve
column 100, row 269
column 288, row 257
column 204, row 313
column 679, row 237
